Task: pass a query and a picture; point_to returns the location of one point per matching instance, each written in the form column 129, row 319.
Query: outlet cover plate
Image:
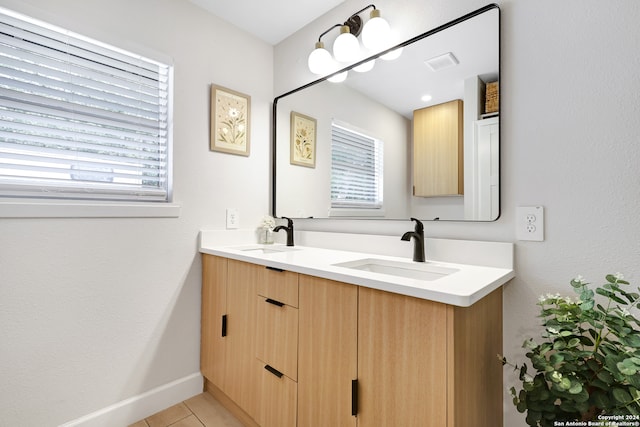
column 233, row 220
column 530, row 223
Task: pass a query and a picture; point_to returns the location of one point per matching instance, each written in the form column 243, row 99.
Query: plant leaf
column 631, row 340
column 573, row 342
column 576, row 388
column 621, row 395
column 559, row 345
column 587, row 305
column 600, row 399
column 556, row 358
column 606, row 377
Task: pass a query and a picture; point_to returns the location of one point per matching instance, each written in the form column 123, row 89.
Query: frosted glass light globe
column 346, row 46
column 339, row 78
column 367, row 66
column 394, row 54
column 376, row 32
column 320, row 60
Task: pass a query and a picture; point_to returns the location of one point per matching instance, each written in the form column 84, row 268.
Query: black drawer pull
column 224, row 325
column 354, row 398
column 274, row 302
column 274, row 371
column 279, row 270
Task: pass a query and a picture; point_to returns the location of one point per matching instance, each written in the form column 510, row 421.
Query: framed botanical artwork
column 230, row 121
column 303, row 140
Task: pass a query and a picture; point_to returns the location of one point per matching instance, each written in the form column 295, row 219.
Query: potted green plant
column 586, row 366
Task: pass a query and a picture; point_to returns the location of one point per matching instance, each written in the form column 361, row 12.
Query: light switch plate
column 530, row 223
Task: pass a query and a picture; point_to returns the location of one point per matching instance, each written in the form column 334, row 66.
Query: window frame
column 34, row 203
column 373, row 209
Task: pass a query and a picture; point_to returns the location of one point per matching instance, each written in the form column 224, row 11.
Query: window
column 80, row 119
column 356, row 169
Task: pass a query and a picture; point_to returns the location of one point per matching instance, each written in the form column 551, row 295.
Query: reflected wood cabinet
column 438, row 168
column 344, row 355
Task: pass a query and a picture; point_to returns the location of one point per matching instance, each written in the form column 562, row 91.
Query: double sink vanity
column 313, row 336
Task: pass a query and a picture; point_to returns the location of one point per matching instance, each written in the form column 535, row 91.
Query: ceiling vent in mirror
column 441, row 62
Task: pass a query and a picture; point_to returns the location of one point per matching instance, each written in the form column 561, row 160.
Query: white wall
column 96, row 311
column 569, row 138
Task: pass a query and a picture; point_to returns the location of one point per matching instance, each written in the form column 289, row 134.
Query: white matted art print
column 230, row 121
column 303, row 140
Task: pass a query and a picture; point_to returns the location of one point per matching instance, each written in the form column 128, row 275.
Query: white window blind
column 356, row 169
column 80, row 119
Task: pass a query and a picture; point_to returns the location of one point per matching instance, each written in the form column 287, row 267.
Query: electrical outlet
column 530, row 223
column 233, row 220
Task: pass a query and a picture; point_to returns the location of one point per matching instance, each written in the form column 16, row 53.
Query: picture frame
column 303, row 140
column 230, row 121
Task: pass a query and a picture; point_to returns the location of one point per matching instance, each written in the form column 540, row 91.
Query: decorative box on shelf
column 492, row 98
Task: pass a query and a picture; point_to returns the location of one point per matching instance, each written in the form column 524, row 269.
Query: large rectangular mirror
column 372, row 147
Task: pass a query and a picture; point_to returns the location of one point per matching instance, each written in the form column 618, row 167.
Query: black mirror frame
column 403, row 44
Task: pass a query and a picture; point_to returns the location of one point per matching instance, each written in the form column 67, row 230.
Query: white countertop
column 462, row 288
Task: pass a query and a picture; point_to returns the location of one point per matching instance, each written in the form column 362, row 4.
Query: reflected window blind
column 80, row 119
column 356, row 169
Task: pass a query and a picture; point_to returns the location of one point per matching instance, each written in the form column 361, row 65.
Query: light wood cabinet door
column 214, row 307
column 438, row 150
column 241, row 374
column 474, row 378
column 402, row 361
column 327, row 352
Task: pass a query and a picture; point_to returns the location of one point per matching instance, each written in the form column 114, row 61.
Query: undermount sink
column 267, row 249
column 420, row 271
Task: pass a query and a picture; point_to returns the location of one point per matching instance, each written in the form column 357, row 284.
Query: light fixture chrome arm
column 354, row 22
column 325, row 33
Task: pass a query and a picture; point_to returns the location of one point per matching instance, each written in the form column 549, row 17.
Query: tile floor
column 199, row 411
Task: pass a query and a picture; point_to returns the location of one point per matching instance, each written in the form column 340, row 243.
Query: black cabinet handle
column 279, row 270
column 354, row 398
column 274, row 302
column 274, row 371
column 224, row 325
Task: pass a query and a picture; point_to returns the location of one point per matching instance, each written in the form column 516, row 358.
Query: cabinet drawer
column 279, row 399
column 277, row 336
column 279, row 285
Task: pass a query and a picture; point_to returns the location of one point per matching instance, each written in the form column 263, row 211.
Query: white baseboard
column 135, row 408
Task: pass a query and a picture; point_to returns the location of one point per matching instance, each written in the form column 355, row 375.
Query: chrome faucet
column 288, row 229
column 418, row 240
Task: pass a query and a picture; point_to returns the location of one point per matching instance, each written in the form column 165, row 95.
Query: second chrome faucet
column 418, row 240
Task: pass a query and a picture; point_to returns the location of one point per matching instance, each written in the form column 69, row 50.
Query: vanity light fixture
column 376, row 32
column 320, row 60
column 346, row 48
